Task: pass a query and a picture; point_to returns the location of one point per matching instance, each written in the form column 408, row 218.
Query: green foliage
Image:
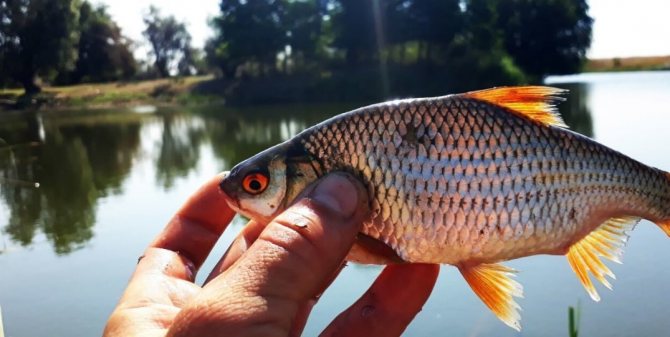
column 279, row 50
column 104, row 54
column 303, row 24
column 37, row 37
column 371, row 49
column 355, row 31
column 170, row 43
column 249, row 33
column 546, row 36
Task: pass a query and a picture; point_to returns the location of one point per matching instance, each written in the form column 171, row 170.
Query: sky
column 622, row 27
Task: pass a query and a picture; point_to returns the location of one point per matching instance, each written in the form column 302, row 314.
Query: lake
column 110, row 180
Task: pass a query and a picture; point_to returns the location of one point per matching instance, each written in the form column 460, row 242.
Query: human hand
column 271, row 276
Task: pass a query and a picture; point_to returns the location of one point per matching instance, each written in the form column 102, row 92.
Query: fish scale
column 523, row 169
column 468, row 180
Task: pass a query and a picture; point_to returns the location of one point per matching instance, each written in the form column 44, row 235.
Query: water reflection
column 180, row 148
column 75, row 163
column 575, row 110
column 80, row 158
column 240, row 133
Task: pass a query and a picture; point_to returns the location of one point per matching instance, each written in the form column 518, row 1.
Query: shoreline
column 635, row 63
column 207, row 90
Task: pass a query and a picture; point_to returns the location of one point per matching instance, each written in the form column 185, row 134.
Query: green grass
column 574, row 317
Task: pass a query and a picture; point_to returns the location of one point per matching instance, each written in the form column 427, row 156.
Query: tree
column 546, row 36
column 434, row 23
column 37, row 37
column 354, row 28
column 248, row 32
column 104, row 54
column 302, row 22
column 477, row 58
column 169, row 39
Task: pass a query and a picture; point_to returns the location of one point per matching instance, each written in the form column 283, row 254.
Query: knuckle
column 296, row 234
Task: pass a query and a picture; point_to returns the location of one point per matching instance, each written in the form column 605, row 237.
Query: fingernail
column 338, row 193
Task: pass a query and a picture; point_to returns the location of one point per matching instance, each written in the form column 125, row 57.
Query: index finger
column 196, row 227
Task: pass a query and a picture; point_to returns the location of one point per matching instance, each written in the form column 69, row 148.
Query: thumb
column 289, row 264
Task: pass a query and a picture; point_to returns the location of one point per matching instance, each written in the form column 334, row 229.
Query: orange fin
column 534, row 102
column 494, row 285
column 368, row 250
column 665, row 226
column 606, row 241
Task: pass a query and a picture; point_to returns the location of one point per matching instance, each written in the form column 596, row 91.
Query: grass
column 629, row 64
column 162, row 92
column 574, row 315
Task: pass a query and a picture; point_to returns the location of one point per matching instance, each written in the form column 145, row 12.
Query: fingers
column 155, row 271
column 156, row 292
column 242, row 242
column 196, row 227
column 293, row 258
column 388, row 307
column 161, row 284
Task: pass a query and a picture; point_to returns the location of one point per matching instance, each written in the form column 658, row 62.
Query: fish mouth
column 225, row 189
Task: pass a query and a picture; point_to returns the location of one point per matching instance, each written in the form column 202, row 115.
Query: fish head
column 262, row 186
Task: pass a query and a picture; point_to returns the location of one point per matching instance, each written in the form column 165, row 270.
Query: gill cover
column 266, row 203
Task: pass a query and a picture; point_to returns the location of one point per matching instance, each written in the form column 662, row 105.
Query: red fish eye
column 255, row 183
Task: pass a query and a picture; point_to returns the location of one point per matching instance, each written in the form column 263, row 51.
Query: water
column 109, row 181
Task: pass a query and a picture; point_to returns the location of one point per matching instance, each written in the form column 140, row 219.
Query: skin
column 271, row 276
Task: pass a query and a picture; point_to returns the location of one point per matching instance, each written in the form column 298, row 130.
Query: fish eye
column 255, row 183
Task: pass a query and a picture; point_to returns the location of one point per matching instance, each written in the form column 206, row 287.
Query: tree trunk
column 29, row 86
column 161, row 66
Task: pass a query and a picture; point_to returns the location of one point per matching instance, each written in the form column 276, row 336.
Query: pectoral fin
column 494, row 285
column 368, row 250
column 607, row 241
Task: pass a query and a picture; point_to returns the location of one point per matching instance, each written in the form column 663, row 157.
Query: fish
column 469, row 180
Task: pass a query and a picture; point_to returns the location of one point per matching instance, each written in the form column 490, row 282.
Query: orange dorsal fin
column 607, row 241
column 494, row 285
column 535, row 102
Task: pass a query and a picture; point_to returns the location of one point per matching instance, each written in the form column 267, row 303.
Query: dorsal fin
column 494, row 285
column 606, row 241
column 535, row 102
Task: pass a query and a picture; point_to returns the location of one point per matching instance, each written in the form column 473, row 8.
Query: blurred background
column 113, row 111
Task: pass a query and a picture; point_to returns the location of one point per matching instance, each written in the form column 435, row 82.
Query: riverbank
column 162, row 92
column 628, row 64
column 359, row 86
column 362, row 84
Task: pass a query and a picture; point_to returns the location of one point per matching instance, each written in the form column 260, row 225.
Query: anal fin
column 607, row 241
column 665, row 226
column 494, row 285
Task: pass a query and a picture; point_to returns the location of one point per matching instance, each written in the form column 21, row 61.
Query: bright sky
column 621, row 28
